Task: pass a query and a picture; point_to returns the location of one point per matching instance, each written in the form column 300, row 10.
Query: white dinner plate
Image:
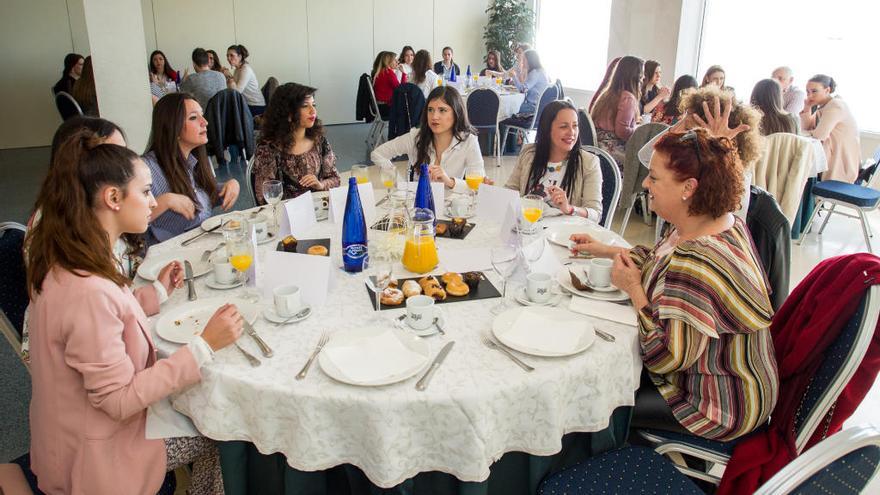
column 154, row 263
column 523, row 298
column 560, row 234
column 185, row 322
column 214, row 221
column 503, row 329
column 564, row 280
column 359, row 338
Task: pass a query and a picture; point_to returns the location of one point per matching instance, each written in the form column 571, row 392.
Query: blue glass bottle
column 424, row 194
column 468, row 81
column 452, row 73
column 354, row 231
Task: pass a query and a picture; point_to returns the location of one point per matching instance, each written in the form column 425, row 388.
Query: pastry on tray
column 457, row 287
column 411, row 288
column 450, row 276
column 288, row 244
column 440, row 229
column 318, row 250
column 472, row 279
column 431, row 287
column 456, row 228
column 391, row 297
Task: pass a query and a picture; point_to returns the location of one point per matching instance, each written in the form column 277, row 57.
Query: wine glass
column 389, row 180
column 504, row 259
column 473, row 176
column 533, row 252
column 532, row 210
column 241, row 256
column 272, row 193
column 380, row 268
column 360, row 172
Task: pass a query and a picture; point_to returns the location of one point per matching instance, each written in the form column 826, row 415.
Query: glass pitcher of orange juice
column 420, row 251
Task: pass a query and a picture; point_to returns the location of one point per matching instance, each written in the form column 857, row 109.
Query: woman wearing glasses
column 701, row 295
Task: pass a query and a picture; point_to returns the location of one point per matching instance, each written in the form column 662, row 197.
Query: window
column 750, row 38
column 572, row 39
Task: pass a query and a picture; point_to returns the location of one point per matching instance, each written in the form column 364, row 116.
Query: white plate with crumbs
column 184, row 323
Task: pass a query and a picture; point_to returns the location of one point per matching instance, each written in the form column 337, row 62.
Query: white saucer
column 432, row 330
column 450, row 214
column 270, row 314
column 522, row 298
column 214, row 284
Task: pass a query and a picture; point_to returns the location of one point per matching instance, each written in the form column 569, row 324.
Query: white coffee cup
column 288, row 300
column 600, row 272
column 459, row 206
column 538, row 287
column 420, row 312
column 261, row 226
column 224, row 273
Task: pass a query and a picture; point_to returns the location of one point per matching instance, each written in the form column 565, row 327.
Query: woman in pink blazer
column 827, row 118
column 94, row 365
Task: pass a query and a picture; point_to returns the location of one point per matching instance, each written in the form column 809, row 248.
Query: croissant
column 431, row 287
column 411, row 288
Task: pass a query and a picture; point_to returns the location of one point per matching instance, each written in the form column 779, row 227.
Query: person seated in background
column 700, row 294
column 653, row 93
column 667, row 112
column 616, row 112
column 84, row 90
column 94, row 369
column 767, row 97
column 404, row 62
column 493, row 65
column 163, row 78
column 423, row 77
column 73, row 66
column 385, row 80
column 609, row 74
column 827, row 118
column 444, row 67
column 444, row 140
column 183, row 182
column 536, row 81
column 292, row 147
column 244, row 80
column 556, row 168
column 716, row 76
column 204, row 83
column 792, row 96
column 214, row 61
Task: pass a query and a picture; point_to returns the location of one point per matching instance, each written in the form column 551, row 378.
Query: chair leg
column 497, row 147
column 825, row 222
column 646, row 215
column 625, row 220
column 504, row 141
column 865, row 229
column 806, row 231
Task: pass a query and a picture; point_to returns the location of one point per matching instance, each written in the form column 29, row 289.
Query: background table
column 479, row 406
column 509, row 103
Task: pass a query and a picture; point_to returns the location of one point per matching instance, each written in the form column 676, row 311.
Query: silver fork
column 325, row 336
column 488, row 342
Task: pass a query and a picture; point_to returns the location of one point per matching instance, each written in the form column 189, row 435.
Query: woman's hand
column 584, row 243
column 628, row 278
column 488, row 181
column 179, row 204
column 437, row 174
column 311, row 182
column 223, row 328
column 716, row 122
column 229, row 193
column 559, row 199
column 808, row 108
column 171, row 277
column 664, row 93
column 154, row 78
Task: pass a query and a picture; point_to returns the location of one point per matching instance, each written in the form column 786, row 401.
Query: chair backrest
column 762, row 216
column 482, row 108
column 269, row 88
column 67, row 105
column 633, row 171
column 229, row 123
column 374, row 104
column 251, row 180
column 610, row 184
column 783, row 169
column 844, row 463
column 549, row 95
column 842, row 359
column 560, row 93
column 586, row 128
column 13, row 292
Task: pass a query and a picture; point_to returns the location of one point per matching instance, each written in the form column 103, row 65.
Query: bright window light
column 750, row 38
column 572, row 39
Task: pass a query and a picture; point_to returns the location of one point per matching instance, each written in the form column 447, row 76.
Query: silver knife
column 200, row 234
column 422, row 384
column 190, row 281
column 264, row 348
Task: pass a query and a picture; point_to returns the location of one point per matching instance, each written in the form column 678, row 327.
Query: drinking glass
column 234, row 224
column 473, row 176
column 532, row 210
column 361, row 173
column 389, row 180
column 504, row 259
column 272, row 193
column 241, row 251
column 380, row 269
column 533, row 252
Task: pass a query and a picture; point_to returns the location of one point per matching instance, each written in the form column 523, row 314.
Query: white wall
column 648, row 29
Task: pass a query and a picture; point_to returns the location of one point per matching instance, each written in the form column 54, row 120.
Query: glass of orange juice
column 241, row 256
column 473, row 176
column 389, row 179
column 532, row 211
column 361, row 173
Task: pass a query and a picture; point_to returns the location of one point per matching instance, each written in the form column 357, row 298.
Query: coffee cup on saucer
column 420, row 312
column 459, row 206
column 599, row 272
column 288, row 300
column 538, row 287
column 224, row 273
column 261, row 226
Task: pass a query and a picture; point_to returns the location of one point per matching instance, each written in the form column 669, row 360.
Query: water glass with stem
column 381, row 264
column 389, row 180
column 241, row 252
column 532, row 211
column 504, row 260
column 272, row 193
column 473, row 176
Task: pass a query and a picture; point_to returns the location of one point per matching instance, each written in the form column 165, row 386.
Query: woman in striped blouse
column 701, row 295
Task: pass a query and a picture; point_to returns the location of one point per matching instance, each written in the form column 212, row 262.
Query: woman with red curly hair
column 701, row 294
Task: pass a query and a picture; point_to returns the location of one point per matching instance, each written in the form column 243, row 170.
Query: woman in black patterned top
column 293, row 148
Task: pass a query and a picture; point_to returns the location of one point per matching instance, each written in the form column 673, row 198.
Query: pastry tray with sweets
column 479, row 288
column 450, row 229
column 301, row 246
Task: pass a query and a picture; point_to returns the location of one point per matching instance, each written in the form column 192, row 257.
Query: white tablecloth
column 509, row 103
column 479, row 405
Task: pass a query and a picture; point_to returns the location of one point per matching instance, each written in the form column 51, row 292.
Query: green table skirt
column 247, row 472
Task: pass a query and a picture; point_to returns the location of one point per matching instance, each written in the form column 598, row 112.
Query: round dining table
column 479, row 406
column 509, row 101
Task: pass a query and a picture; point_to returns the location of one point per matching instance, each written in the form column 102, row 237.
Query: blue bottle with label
column 354, row 231
column 424, row 194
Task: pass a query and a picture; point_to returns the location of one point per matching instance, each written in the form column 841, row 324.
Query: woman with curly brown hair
column 292, row 147
column 701, row 295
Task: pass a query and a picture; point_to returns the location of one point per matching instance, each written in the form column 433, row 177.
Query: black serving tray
column 468, row 227
column 484, row 290
column 303, row 245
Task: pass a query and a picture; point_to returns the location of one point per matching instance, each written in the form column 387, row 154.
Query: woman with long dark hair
column 616, row 112
column 244, row 79
column 183, row 182
column 404, row 62
column 653, row 93
column 94, row 367
column 667, row 112
column 423, row 76
column 73, row 66
column 493, row 65
column 556, row 168
column 606, row 79
column 767, row 97
column 214, row 61
column 163, row 78
column 293, row 148
column 84, row 90
column 444, row 140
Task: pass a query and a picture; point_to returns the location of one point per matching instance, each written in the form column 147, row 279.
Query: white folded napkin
column 610, row 311
column 373, row 358
column 163, row 421
column 533, row 330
